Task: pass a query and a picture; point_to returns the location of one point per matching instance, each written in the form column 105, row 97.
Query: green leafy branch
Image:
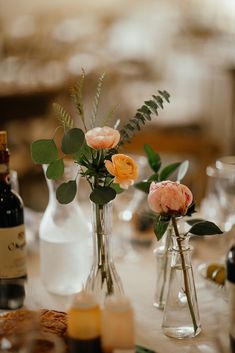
column 143, row 114
column 155, row 163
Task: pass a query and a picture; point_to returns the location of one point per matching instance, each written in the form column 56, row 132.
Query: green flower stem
column 102, row 251
column 165, row 265
column 185, row 274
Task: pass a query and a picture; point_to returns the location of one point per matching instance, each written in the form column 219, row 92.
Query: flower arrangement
column 171, row 201
column 95, row 148
column 96, row 151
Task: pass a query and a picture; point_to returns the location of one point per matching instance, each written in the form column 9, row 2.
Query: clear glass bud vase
column 163, row 266
column 181, row 315
column 64, row 250
column 103, row 279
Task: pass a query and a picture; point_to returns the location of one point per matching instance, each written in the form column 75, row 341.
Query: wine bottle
column 230, row 267
column 12, row 237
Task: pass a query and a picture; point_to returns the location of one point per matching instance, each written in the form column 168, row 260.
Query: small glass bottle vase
column 163, row 267
column 181, row 315
column 103, row 279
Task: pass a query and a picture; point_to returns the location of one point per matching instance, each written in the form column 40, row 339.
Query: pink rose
column 168, row 197
column 102, row 137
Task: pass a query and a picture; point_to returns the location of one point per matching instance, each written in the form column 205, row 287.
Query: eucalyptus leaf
column 66, row 192
column 168, row 170
column 44, row 151
column 85, row 153
column 55, row 170
column 102, row 195
column 183, row 168
column 72, row 141
column 205, row 228
column 160, row 227
column 153, row 158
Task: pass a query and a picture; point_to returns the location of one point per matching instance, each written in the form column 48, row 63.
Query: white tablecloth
column 138, row 278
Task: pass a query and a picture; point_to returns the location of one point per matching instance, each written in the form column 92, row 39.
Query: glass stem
column 185, row 275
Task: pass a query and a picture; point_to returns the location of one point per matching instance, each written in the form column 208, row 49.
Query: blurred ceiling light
column 23, row 26
column 79, row 61
column 72, row 29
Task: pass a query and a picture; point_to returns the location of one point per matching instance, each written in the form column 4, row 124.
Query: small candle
column 117, row 325
column 84, row 324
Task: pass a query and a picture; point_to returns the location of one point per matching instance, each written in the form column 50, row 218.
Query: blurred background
column 186, row 47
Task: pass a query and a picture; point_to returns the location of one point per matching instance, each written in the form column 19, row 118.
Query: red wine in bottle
column 230, row 270
column 12, row 237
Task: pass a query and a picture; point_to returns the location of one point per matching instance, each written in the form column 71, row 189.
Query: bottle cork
column 3, row 139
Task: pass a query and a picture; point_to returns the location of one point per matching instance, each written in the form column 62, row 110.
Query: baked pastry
column 43, row 330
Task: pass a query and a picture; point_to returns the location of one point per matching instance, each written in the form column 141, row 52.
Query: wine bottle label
column 12, row 252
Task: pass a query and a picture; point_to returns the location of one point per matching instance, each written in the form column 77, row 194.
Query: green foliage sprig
column 161, row 222
column 73, row 144
column 143, row 114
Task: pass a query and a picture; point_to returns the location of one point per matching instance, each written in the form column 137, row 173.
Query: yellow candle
column 84, row 324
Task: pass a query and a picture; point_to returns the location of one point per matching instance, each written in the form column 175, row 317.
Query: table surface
column 139, row 275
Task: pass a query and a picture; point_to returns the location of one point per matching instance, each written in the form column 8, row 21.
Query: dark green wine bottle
column 12, row 237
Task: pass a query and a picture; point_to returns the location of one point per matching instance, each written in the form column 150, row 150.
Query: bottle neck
column 4, row 169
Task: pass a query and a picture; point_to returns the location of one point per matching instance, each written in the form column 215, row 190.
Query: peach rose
column 102, row 137
column 123, row 168
column 169, row 197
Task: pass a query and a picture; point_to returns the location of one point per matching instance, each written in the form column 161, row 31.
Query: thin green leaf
column 66, row 192
column 165, row 95
column 72, row 141
column 193, row 221
column 154, row 177
column 97, row 100
column 205, row 228
column 152, row 105
column 55, row 170
column 168, row 170
column 102, row 195
column 153, row 158
column 160, row 227
column 143, row 186
column 77, row 98
column 117, row 188
column 159, row 100
column 44, row 151
column 63, row 116
column 183, row 168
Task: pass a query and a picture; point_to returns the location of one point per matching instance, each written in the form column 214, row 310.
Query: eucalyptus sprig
column 90, row 161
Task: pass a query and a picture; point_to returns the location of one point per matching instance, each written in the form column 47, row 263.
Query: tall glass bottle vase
column 64, row 249
column 181, row 315
column 103, row 279
column 163, row 266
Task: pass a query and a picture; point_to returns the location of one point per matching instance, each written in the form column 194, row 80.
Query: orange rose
column 102, row 137
column 123, row 168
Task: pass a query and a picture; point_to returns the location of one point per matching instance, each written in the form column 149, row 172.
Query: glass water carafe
column 64, row 235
